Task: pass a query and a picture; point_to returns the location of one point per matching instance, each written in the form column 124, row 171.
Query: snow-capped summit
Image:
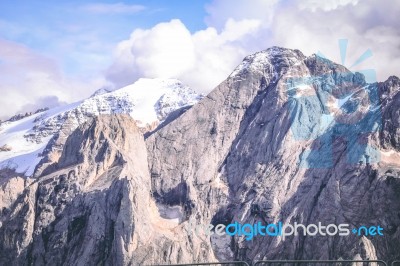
column 268, row 59
column 148, row 101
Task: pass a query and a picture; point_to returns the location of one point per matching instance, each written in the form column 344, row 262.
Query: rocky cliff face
column 284, row 138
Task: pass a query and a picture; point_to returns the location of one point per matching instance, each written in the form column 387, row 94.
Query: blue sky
column 57, row 52
column 72, row 31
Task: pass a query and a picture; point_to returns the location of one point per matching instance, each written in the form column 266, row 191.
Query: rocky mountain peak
column 98, row 143
column 285, row 138
column 390, row 87
column 275, row 57
column 37, row 139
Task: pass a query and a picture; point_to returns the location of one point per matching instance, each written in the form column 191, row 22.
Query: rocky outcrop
column 22, row 116
column 267, row 137
column 284, row 138
column 5, row 148
column 95, row 206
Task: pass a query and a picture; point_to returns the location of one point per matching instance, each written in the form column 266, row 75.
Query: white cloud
column 29, row 80
column 220, row 11
column 236, row 28
column 168, row 50
column 326, row 5
column 117, row 8
column 45, row 101
column 217, row 54
column 204, row 58
column 312, row 31
column 164, row 51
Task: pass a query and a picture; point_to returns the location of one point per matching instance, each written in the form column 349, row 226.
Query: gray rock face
column 284, row 138
column 268, row 146
column 94, row 206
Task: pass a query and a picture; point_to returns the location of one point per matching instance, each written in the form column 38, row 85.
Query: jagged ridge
column 255, row 140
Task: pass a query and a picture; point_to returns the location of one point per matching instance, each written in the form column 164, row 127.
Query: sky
column 58, row 52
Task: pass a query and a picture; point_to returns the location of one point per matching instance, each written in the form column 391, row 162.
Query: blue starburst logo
column 333, row 103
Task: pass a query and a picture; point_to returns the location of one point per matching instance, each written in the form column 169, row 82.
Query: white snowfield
column 148, row 101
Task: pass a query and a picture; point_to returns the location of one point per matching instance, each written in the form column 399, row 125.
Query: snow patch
column 148, row 101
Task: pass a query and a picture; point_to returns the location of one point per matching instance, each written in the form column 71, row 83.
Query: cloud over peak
column 165, row 46
column 169, row 50
column 235, row 29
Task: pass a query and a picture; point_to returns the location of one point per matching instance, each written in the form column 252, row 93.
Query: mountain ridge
column 149, row 101
column 279, row 140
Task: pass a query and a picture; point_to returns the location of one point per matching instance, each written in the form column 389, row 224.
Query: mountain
column 148, row 101
column 285, row 138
